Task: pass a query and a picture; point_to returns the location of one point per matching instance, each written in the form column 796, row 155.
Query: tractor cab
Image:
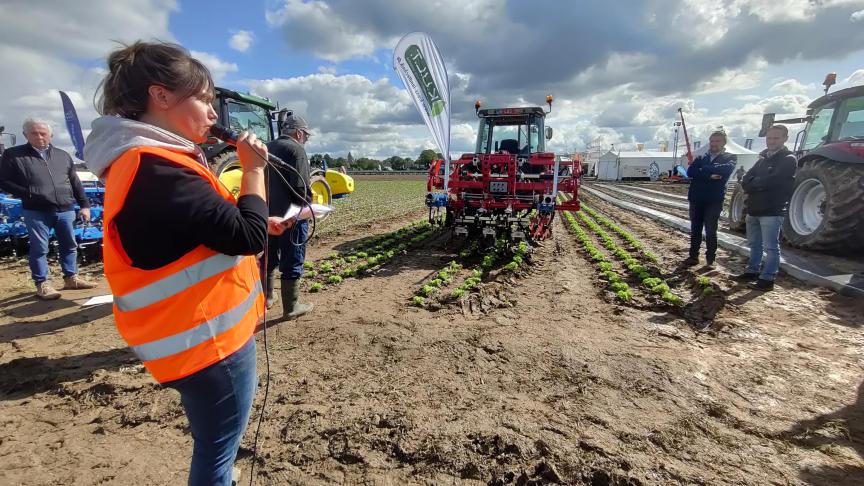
column 246, row 112
column 516, row 131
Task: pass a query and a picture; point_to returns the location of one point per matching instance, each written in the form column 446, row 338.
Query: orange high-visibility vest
column 191, row 313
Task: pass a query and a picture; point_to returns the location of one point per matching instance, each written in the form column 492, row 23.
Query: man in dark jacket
column 44, row 178
column 769, row 185
column 288, row 250
column 709, row 174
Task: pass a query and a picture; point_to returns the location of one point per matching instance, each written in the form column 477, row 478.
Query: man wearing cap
column 287, row 249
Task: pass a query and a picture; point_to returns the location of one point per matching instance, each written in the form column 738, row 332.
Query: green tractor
column 240, row 112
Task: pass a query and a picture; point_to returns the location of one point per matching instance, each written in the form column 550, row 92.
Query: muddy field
column 539, row 376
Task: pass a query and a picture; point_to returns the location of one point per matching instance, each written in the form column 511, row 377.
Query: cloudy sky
column 618, row 70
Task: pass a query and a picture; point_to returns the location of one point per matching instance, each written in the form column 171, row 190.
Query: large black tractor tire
column 826, row 212
column 737, row 215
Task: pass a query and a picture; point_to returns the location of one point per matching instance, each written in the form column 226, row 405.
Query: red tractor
column 826, row 212
column 509, row 186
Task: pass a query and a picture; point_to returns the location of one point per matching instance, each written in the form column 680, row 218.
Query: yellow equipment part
column 321, row 193
column 324, row 189
column 231, row 179
column 340, row 184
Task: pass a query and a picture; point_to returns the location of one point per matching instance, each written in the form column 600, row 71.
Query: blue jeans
column 763, row 234
column 39, row 225
column 218, row 401
column 704, row 215
column 282, row 252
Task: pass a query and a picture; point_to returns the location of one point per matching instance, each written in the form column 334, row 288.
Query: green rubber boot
column 290, row 293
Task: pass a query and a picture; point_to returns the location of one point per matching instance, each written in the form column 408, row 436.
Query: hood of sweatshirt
column 112, row 136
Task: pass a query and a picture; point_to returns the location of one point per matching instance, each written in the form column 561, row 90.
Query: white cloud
column 218, row 68
column 241, row 41
column 337, row 30
column 855, row 79
column 350, row 112
column 40, row 61
column 303, row 21
column 857, row 16
column 747, row 77
column 791, row 86
column 327, row 69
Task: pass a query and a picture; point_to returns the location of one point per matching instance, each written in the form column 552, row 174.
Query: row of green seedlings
column 704, row 283
column 624, row 234
column 472, row 281
column 614, row 281
column 376, row 251
column 655, row 285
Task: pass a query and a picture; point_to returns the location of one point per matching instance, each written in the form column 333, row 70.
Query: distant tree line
column 422, row 162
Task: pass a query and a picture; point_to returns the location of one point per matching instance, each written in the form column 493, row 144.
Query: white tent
column 746, row 157
column 633, row 165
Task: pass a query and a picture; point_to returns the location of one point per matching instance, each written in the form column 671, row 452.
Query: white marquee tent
column 632, row 165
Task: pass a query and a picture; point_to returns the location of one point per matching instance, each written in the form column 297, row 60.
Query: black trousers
column 707, row 216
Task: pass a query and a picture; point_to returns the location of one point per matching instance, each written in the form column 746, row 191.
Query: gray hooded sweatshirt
column 169, row 210
column 112, row 136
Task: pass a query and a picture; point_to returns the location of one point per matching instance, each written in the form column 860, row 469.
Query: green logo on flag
column 424, row 76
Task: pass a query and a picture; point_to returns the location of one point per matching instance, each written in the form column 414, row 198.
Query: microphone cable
column 306, row 203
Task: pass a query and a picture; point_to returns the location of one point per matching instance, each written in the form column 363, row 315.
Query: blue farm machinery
column 13, row 231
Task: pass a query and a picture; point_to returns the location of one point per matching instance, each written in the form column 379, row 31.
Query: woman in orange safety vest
column 178, row 248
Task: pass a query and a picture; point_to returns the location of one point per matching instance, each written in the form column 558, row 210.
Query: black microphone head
column 225, row 134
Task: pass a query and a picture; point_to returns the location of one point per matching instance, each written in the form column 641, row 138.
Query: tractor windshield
column 817, row 130
column 850, row 120
column 249, row 117
column 518, row 135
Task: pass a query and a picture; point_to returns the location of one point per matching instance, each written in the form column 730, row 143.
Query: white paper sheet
column 99, row 300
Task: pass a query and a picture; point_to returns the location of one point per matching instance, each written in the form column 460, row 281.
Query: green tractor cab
column 246, row 112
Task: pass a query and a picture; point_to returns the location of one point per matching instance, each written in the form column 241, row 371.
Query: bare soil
column 554, row 383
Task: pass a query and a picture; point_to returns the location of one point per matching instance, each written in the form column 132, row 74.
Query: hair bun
column 125, row 57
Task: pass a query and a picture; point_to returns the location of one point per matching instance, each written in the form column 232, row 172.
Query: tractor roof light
column 549, row 100
column 477, row 106
column 830, row 80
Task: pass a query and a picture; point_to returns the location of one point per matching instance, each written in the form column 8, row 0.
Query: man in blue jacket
column 708, row 176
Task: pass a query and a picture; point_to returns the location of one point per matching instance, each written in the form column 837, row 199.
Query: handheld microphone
column 230, row 136
column 225, row 134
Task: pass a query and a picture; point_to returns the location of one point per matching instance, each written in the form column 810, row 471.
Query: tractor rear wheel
column 737, row 217
column 826, row 212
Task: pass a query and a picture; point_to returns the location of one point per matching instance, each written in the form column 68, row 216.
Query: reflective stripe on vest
column 177, row 343
column 176, row 283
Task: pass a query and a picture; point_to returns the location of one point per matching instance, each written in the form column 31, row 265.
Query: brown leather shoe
column 45, row 291
column 74, row 282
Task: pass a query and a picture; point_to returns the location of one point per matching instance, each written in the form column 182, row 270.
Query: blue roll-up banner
column 73, row 125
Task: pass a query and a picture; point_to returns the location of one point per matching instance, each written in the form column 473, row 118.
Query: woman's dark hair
column 134, row 68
